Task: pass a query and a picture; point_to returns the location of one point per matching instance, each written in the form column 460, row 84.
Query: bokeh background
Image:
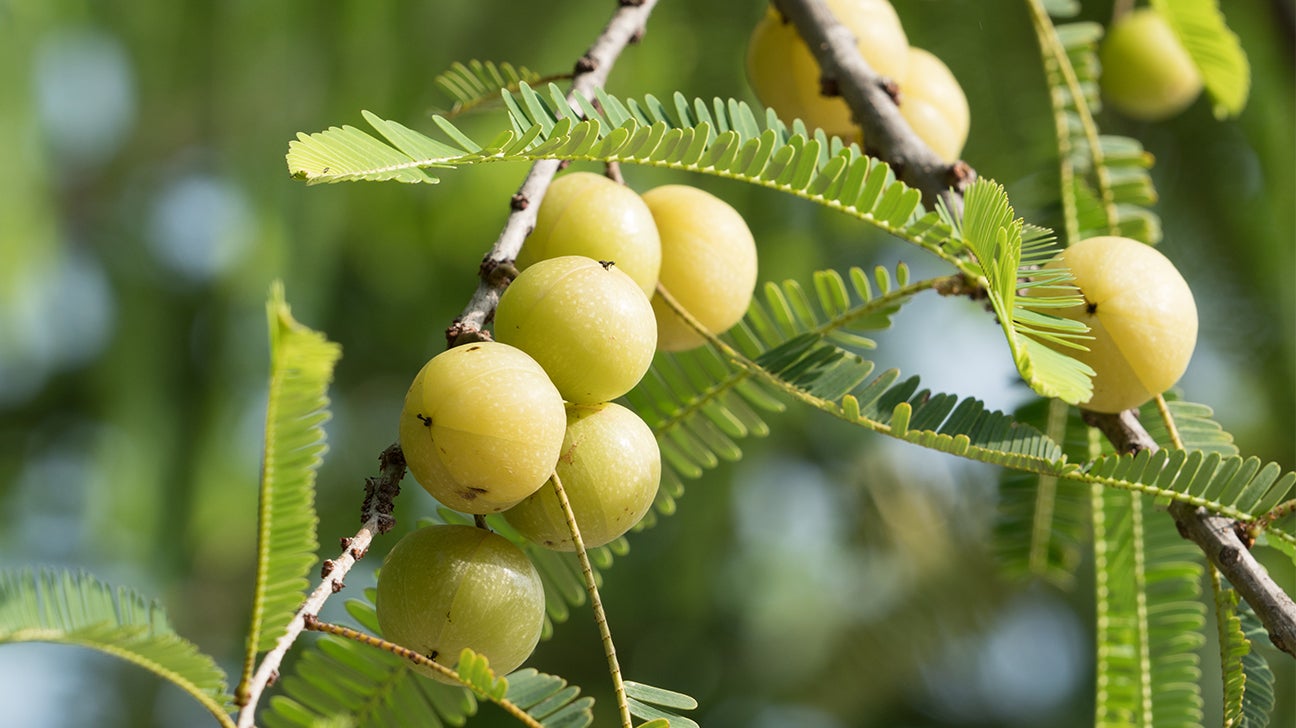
column 829, row 579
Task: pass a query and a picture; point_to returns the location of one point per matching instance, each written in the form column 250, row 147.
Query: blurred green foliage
column 826, row 580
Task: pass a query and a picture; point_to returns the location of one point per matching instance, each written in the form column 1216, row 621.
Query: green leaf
column 1214, row 49
column 1258, row 700
column 723, row 139
column 653, row 704
column 1234, row 646
column 1007, row 253
column 479, row 83
column 1105, row 188
column 1149, row 616
column 1043, row 521
column 700, row 405
column 301, row 366
column 62, row 607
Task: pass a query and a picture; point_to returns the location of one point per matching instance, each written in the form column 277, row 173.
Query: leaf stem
column 596, row 603
column 315, row 625
column 1053, row 50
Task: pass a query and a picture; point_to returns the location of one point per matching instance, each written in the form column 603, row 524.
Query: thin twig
column 892, row 141
column 1218, row 537
column 596, row 603
column 591, row 72
column 886, row 134
column 376, row 513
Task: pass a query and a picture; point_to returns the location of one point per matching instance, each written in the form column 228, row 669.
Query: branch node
column 586, row 64
column 829, row 87
column 519, row 202
column 891, row 88
column 326, row 568
column 337, row 586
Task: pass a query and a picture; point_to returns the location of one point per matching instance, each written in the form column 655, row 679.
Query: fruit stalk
column 596, row 604
column 889, row 137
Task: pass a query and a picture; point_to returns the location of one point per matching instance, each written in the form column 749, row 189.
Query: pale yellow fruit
column 708, row 263
column 610, row 469
column 932, row 101
column 444, row 588
column 482, row 427
column 587, row 323
column 785, row 76
column 588, row 214
column 1146, row 73
column 1142, row 317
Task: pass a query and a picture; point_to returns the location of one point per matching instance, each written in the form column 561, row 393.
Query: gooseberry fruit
column 1139, row 311
column 588, row 324
column 1147, row 74
column 708, row 263
column 588, row 214
column 444, row 588
column 482, row 427
column 932, row 101
column 610, row 468
column 785, row 76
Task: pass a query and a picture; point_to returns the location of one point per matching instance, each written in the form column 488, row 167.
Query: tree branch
column 626, row 26
column 376, row 514
column 591, row 71
column 887, row 135
column 1218, row 537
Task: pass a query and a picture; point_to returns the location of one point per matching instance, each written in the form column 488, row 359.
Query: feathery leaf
column 301, row 367
column 1214, row 49
column 479, row 83
column 63, row 607
column 653, row 703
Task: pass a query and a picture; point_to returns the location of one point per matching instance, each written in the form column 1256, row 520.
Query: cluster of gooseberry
column 485, row 425
column 785, row 77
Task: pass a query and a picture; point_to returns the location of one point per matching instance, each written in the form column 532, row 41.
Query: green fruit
column 708, row 263
column 588, row 324
column 1141, row 315
column 444, row 588
column 932, row 101
column 482, row 427
column 588, row 214
column 785, row 76
column 1146, row 73
column 610, row 469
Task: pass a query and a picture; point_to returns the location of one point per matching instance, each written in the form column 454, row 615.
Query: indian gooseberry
column 610, row 468
column 481, row 427
column 588, row 214
column 785, row 76
column 587, row 323
column 932, row 101
column 708, row 263
column 1146, row 73
column 443, row 588
column 1139, row 311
